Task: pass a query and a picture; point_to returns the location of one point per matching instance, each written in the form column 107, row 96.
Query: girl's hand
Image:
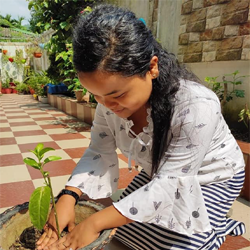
column 82, row 235
column 66, row 217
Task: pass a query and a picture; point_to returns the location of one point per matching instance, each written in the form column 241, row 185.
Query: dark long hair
column 113, row 40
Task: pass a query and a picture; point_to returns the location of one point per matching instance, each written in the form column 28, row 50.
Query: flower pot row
column 9, row 91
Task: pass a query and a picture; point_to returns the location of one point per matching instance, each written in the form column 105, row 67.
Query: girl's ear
column 154, row 71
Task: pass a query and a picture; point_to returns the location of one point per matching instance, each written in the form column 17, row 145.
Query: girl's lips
column 118, row 111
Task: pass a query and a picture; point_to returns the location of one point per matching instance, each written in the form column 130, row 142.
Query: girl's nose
column 109, row 104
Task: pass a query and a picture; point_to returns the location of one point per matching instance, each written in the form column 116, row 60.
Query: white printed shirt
column 201, row 151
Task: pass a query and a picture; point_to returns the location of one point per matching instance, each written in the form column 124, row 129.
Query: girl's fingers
column 48, row 238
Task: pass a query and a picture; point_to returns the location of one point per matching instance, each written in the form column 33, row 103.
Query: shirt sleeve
column 97, row 172
column 173, row 198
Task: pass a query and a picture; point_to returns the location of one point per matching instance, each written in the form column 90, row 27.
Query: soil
column 28, row 239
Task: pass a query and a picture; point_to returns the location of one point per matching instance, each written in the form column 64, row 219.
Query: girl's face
column 122, row 95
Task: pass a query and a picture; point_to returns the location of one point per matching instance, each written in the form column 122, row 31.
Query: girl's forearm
column 107, row 218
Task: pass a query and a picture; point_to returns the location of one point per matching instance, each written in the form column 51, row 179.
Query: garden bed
column 83, row 111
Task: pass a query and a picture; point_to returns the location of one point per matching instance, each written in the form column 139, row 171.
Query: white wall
column 169, row 18
column 12, row 70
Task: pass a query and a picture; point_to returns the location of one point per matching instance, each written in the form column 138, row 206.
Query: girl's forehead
column 102, row 83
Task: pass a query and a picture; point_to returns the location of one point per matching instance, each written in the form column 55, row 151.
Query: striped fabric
column 218, row 197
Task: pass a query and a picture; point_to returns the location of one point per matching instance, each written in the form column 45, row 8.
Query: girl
column 156, row 113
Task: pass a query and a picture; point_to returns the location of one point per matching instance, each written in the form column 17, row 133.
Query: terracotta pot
column 32, row 91
column 3, row 91
column 8, row 91
column 14, row 220
column 14, row 91
column 80, row 97
column 5, row 51
column 37, row 54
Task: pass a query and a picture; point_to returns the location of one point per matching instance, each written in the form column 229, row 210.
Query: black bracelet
column 69, row 192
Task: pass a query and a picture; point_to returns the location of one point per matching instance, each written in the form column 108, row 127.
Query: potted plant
column 16, row 223
column 226, row 90
column 32, row 82
column 6, row 89
column 42, row 94
column 80, row 92
column 35, row 51
column 22, row 88
column 19, row 59
column 14, row 87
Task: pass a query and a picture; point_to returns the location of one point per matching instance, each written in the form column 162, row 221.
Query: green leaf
column 30, row 5
column 67, row 27
column 240, row 93
column 238, row 83
column 45, row 150
column 31, row 162
column 52, row 158
column 39, row 147
column 39, row 206
column 47, row 26
column 63, row 25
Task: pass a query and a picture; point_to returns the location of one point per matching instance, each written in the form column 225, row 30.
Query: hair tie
column 142, row 20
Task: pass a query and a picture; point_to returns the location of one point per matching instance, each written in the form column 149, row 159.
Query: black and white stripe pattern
column 218, row 197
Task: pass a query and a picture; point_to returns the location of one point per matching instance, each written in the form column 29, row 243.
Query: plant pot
column 37, row 54
column 80, row 97
column 32, row 91
column 43, row 99
column 3, row 91
column 5, row 51
column 8, row 91
column 14, row 91
column 14, row 220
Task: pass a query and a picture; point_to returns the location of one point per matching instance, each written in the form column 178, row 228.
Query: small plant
column 22, row 88
column 19, row 59
column 40, row 199
column 222, row 89
column 244, row 116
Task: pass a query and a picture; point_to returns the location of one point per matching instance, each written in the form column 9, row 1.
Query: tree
column 58, row 15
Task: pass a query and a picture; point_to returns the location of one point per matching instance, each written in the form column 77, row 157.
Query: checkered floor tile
column 25, row 122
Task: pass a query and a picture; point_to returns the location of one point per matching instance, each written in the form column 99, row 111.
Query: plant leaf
column 39, row 206
column 45, row 150
column 63, row 25
column 39, row 147
column 52, row 158
column 47, row 26
column 31, row 162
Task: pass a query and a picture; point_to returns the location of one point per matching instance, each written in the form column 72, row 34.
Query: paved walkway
column 25, row 122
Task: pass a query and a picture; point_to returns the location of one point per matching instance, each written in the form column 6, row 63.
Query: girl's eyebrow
column 112, row 92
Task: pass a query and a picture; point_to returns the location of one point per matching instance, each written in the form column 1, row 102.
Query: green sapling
column 40, row 199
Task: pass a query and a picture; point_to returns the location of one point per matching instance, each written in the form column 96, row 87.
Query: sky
column 15, row 8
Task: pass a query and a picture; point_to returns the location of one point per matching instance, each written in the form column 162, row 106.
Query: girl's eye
column 119, row 96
